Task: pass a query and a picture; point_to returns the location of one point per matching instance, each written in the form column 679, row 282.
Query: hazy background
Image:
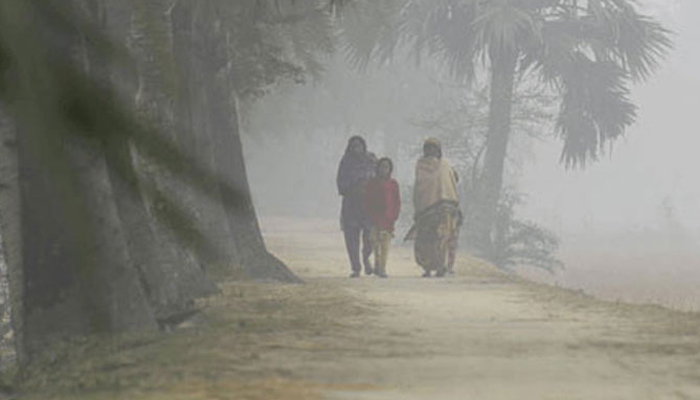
column 629, row 224
column 651, row 171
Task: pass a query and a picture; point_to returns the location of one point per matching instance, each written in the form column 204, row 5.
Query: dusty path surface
column 476, row 335
column 482, row 335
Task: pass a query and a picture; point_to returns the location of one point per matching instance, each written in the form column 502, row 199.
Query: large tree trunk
column 171, row 276
column 78, row 276
column 11, row 227
column 243, row 221
column 490, row 182
column 213, row 116
column 216, row 252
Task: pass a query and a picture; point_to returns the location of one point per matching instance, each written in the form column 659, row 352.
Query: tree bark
column 242, row 218
column 11, row 228
column 78, row 276
column 218, row 254
column 172, row 278
column 490, row 182
column 213, row 115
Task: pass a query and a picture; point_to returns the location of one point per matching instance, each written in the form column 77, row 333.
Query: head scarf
column 356, row 138
column 355, row 169
column 435, row 143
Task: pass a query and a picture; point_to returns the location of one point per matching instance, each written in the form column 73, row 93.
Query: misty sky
column 656, row 163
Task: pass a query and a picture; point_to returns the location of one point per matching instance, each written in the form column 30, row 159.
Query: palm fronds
column 611, row 41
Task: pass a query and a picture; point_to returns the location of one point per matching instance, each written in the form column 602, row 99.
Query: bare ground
column 477, row 335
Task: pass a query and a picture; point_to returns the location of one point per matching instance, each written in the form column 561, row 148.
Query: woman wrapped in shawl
column 356, row 168
column 437, row 216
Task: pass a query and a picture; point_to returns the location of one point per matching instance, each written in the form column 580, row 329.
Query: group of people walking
column 372, row 203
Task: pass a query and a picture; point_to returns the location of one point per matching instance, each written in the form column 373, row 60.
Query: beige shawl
column 435, row 181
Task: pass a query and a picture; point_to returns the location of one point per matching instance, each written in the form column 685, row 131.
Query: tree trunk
column 78, row 276
column 213, row 116
column 217, row 254
column 491, row 180
column 243, row 221
column 11, row 228
column 172, row 278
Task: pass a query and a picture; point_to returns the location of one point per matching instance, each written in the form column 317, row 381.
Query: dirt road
column 482, row 335
column 478, row 335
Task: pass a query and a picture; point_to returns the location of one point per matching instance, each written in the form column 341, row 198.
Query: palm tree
column 587, row 52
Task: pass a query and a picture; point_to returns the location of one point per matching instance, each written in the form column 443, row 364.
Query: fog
column 172, row 176
column 648, row 174
column 629, row 223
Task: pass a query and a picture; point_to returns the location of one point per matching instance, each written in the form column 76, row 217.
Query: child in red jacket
column 383, row 203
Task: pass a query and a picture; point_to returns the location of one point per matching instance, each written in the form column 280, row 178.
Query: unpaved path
column 482, row 335
column 478, row 335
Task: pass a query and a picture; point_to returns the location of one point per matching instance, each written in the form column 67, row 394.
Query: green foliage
column 518, row 243
column 268, row 41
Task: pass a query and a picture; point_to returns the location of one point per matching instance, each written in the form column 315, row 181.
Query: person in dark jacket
column 383, row 203
column 356, row 168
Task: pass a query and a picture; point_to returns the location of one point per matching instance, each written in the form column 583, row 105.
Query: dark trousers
column 352, row 243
